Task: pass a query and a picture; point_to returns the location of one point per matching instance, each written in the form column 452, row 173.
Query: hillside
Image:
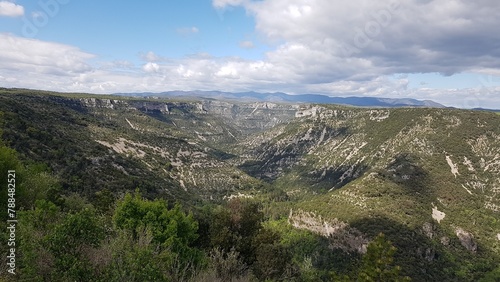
column 427, row 178
column 124, row 144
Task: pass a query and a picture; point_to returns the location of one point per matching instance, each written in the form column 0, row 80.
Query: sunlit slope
column 429, row 178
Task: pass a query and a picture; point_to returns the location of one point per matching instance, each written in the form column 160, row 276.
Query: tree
column 236, row 226
column 69, row 241
column 8, row 161
column 227, row 265
column 273, row 260
column 492, row 276
column 172, row 231
column 377, row 263
column 36, row 181
column 36, row 261
column 134, row 258
column 103, row 201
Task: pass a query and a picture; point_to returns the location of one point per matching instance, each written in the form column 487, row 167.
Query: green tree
column 273, row 260
column 378, row 261
column 34, row 182
column 134, row 258
column 236, row 226
column 171, row 230
column 8, row 161
column 71, row 240
column 492, row 276
column 104, row 201
column 36, row 261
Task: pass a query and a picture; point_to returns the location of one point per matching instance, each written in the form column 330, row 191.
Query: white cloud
column 151, row 67
column 228, row 71
column 400, row 37
column 40, row 57
column 9, row 9
column 224, row 3
column 247, row 44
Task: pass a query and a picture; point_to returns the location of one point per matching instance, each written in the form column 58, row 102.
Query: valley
column 427, row 178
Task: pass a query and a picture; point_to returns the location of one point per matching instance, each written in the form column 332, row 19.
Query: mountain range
column 287, row 98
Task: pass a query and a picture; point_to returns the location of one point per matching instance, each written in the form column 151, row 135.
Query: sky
column 447, row 51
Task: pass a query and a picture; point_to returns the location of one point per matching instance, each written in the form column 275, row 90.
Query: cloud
column 151, row 67
column 41, row 57
column 53, row 66
column 350, row 46
column 116, row 65
column 187, row 30
column 30, row 63
column 449, row 36
column 247, row 44
column 228, row 71
column 150, row 57
column 224, row 3
column 9, row 9
column 341, row 48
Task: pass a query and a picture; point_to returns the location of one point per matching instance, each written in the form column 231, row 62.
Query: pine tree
column 378, row 262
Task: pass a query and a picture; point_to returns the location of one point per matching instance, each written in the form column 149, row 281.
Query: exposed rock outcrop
column 341, row 235
column 466, row 239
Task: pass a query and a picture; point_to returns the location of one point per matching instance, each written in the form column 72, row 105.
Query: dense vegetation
column 113, row 193
column 66, row 238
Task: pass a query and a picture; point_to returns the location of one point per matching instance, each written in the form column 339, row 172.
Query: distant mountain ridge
column 288, row 98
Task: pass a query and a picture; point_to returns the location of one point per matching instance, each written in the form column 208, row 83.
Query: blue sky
column 445, row 51
column 124, row 29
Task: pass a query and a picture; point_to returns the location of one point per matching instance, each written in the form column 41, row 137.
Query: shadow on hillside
column 274, row 160
column 258, row 170
column 316, row 181
column 335, row 178
column 221, row 155
column 406, row 171
column 156, row 114
column 423, row 258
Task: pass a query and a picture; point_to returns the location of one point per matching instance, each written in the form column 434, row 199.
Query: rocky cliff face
column 247, row 116
column 339, row 233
